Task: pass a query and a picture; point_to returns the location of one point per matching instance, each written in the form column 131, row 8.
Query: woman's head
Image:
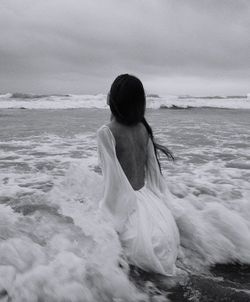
column 127, row 99
column 127, row 103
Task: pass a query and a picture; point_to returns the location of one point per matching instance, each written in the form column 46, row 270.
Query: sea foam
column 32, row 101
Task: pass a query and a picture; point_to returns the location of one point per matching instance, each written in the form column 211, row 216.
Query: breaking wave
column 154, row 101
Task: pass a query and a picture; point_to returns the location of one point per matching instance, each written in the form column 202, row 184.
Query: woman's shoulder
column 103, row 128
column 109, row 128
column 105, row 133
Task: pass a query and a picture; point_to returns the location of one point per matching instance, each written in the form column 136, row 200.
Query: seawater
column 55, row 247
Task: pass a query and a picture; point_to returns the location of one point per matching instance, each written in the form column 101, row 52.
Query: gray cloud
column 79, row 46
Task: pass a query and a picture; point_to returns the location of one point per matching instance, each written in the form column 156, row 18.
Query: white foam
column 99, row 101
column 46, row 257
column 227, row 103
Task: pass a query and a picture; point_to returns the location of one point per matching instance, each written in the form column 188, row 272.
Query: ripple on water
column 44, row 186
column 238, row 165
column 19, row 166
column 45, row 165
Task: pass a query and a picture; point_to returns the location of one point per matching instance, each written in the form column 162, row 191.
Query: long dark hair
column 127, row 103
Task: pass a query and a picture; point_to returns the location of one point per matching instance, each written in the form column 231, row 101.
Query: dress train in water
column 146, row 226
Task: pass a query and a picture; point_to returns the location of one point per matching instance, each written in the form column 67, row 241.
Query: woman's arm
column 119, row 198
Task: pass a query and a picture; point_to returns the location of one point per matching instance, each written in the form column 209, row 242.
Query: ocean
column 53, row 244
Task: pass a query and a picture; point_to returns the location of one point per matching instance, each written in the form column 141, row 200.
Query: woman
column 135, row 195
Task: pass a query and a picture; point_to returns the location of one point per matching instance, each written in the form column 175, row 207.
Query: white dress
column 146, row 227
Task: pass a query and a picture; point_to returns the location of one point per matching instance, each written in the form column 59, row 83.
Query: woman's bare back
column 131, row 151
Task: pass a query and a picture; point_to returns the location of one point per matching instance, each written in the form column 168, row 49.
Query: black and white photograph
column 125, row 151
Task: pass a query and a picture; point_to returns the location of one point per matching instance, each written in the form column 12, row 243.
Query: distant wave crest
column 154, row 101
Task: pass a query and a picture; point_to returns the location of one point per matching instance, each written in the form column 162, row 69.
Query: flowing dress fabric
column 145, row 224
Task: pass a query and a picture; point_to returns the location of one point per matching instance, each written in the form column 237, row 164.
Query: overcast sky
column 196, row 47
